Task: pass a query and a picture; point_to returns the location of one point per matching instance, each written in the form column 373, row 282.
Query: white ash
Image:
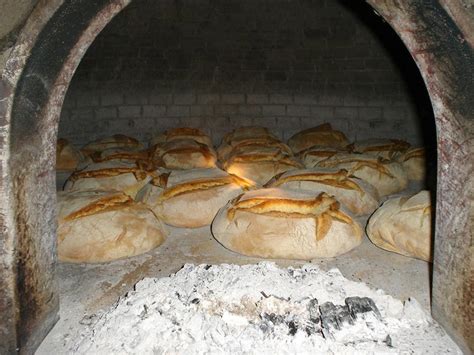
column 257, row 309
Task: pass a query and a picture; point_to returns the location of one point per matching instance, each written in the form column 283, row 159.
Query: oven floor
column 86, row 289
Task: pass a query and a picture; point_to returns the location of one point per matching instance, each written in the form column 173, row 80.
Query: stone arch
column 437, row 33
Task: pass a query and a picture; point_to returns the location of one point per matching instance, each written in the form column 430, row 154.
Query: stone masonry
column 217, row 64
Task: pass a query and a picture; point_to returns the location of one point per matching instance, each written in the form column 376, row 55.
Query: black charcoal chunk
column 361, row 305
column 388, row 341
column 313, row 310
column 293, row 328
column 334, row 316
column 195, row 301
column 273, row 318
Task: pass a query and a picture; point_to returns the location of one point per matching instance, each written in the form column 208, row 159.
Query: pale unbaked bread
column 403, row 225
column 287, row 224
column 260, row 167
column 110, row 176
column 183, row 154
column 358, row 196
column 322, row 135
column 182, row 133
column 315, row 154
column 191, row 198
column 115, row 141
column 386, row 176
column 101, row 226
column 414, row 163
column 384, row 148
column 68, row 158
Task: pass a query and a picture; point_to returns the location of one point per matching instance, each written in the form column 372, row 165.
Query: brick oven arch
column 437, row 33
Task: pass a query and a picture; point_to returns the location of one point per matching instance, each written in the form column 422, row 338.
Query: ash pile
column 259, row 309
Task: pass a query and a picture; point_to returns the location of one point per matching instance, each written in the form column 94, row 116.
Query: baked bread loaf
column 260, row 167
column 384, row 148
column 403, row 225
column 68, row 158
column 255, row 146
column 313, row 155
column 277, row 223
column 183, row 154
column 386, row 176
column 322, row 135
column 115, row 141
column 110, row 176
column 191, row 198
column 359, row 197
column 122, row 155
column 182, row 133
column 245, row 135
column 101, row 226
column 414, row 162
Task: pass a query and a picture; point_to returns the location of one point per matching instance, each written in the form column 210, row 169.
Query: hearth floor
column 86, row 289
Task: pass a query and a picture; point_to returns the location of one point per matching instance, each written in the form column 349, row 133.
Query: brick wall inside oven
column 217, row 64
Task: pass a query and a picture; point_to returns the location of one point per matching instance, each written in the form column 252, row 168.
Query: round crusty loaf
column 101, row 226
column 68, row 158
column 115, row 141
column 403, row 225
column 183, row 154
column 414, row 163
column 312, row 156
column 384, row 148
column 359, row 197
column 126, row 155
column 386, row 176
column 191, row 198
column 277, row 223
column 110, row 176
column 245, row 135
column 260, row 167
column 182, row 133
column 322, row 135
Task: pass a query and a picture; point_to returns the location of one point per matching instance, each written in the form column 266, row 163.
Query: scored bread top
column 291, row 204
column 115, row 141
column 413, row 153
column 183, row 133
column 77, row 204
column 320, row 135
column 333, row 177
column 276, row 157
column 108, row 169
column 179, row 183
column 248, row 132
column 357, row 162
column 120, row 154
column 378, row 145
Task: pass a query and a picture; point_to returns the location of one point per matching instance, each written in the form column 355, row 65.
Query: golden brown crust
column 323, row 208
column 108, row 172
column 98, row 157
column 204, row 184
column 338, row 179
column 358, row 164
column 385, row 145
column 278, row 157
column 320, row 135
column 414, row 153
column 184, row 132
column 103, row 204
